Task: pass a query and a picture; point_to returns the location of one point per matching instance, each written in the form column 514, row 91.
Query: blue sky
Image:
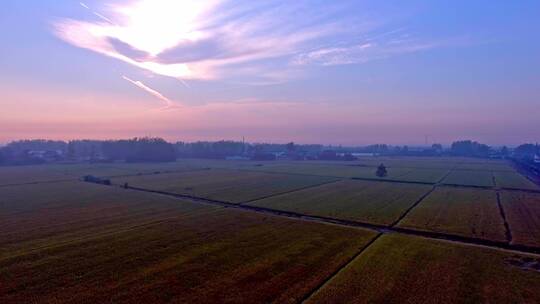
column 337, row 72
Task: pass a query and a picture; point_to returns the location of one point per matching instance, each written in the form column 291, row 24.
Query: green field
column 523, row 216
column 84, row 243
column 225, row 185
column 371, row 202
column 470, row 178
column 465, row 212
column 404, row 269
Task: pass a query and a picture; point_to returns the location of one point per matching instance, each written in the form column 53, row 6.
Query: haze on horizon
column 310, row 71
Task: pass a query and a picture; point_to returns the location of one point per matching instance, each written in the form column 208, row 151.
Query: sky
column 310, row 71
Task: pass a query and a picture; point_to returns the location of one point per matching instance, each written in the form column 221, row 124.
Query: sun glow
column 146, row 28
column 154, row 26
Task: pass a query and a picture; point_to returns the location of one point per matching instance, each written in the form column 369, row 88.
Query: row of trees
column 144, row 149
column 139, row 150
column 156, row 149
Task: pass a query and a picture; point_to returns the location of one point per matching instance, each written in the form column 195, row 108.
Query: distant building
column 237, row 158
column 46, row 155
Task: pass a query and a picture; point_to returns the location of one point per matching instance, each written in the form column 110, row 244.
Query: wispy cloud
column 241, row 41
column 371, row 48
column 204, row 39
column 168, row 103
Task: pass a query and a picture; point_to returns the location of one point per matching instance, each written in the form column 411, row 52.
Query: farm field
column 486, row 165
column 335, row 170
column 33, row 216
column 111, row 245
column 459, row 211
column 523, row 216
column 352, row 170
column 65, row 172
column 512, row 179
column 405, row 269
column 425, row 175
column 417, row 162
column 226, row 185
column 67, row 241
column 364, row 201
column 470, row 178
column 30, row 174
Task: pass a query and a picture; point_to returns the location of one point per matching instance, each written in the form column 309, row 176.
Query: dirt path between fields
column 348, row 223
column 339, row 269
column 508, row 232
column 438, row 183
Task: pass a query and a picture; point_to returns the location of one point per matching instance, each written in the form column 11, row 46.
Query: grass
column 405, row 269
column 470, row 178
column 523, row 216
column 512, row 179
column 373, row 202
column 226, row 185
column 465, row 212
column 75, row 242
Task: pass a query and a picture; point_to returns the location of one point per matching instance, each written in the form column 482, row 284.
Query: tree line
column 150, row 149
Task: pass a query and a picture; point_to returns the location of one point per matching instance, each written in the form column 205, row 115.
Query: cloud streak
column 239, row 41
column 204, row 39
column 100, row 16
column 168, row 103
column 381, row 46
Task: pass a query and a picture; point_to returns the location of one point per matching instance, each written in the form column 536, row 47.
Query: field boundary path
column 438, row 183
column 396, row 222
column 347, row 223
column 291, row 191
column 508, row 232
column 340, row 268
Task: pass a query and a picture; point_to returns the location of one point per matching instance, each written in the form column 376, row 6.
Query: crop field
column 219, row 231
column 523, row 215
column 425, row 175
column 512, row 179
column 30, row 174
column 113, row 245
column 354, row 170
column 52, row 173
column 225, row 185
column 465, row 212
column 405, row 269
column 470, row 178
column 487, row 165
column 338, row 170
column 371, row 202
